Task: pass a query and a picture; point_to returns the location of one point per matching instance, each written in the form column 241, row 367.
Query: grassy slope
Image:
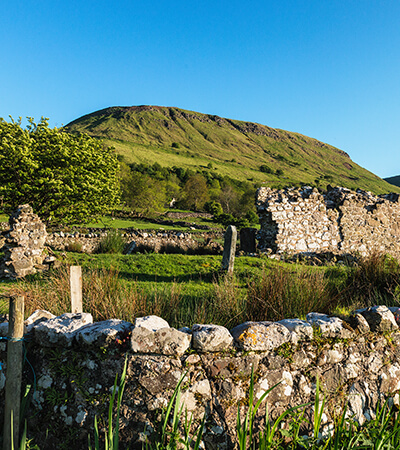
column 235, row 148
column 395, row 181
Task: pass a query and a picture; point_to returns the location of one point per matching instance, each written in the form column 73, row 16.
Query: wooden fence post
column 75, row 282
column 14, row 372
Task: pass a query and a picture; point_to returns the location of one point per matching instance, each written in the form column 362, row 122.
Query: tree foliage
column 142, row 193
column 64, row 177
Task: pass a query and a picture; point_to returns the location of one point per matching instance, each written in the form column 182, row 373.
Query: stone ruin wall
column 73, row 363
column 23, row 244
column 303, row 220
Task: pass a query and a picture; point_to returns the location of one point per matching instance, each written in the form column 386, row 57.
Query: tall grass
column 374, row 280
column 113, row 242
column 269, row 292
column 281, row 293
column 105, row 295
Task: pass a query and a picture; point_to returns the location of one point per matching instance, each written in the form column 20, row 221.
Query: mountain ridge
column 242, row 150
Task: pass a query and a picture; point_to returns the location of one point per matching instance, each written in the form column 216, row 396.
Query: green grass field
column 187, row 289
column 148, row 224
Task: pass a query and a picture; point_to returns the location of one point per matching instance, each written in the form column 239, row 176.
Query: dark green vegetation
column 63, row 177
column 187, row 289
column 395, row 181
column 240, row 150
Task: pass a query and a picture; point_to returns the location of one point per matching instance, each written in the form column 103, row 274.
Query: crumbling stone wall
column 73, row 363
column 23, row 244
column 139, row 240
column 302, row 220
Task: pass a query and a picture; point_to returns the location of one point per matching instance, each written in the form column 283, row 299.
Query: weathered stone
column 362, row 323
column 152, row 323
column 328, row 326
column 196, row 397
column 102, row 334
column 260, row 336
column 36, row 317
column 164, row 341
column 23, row 244
column 61, row 330
column 228, row 257
column 211, row 338
column 3, row 329
column 379, row 318
column 359, row 372
column 301, row 327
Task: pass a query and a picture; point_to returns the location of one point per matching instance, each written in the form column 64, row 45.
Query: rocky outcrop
column 341, row 221
column 23, row 244
column 73, row 363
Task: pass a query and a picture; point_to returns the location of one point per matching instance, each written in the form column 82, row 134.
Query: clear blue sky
column 324, row 68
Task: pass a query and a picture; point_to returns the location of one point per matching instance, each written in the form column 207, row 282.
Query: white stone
column 61, row 330
column 45, row 381
column 81, row 417
column 152, row 323
column 101, row 334
column 379, row 318
column 260, row 336
column 189, row 398
column 301, row 327
column 328, row 326
column 211, row 338
column 165, row 341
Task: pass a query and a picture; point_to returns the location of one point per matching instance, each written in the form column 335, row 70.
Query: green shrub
column 113, row 242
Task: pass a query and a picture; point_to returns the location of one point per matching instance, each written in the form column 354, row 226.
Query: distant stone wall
column 73, row 363
column 137, row 240
column 302, row 220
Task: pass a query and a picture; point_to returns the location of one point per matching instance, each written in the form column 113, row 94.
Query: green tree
column 142, row 193
column 194, row 193
column 64, row 177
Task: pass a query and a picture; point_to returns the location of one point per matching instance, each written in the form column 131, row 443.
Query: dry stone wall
column 136, row 240
column 23, row 244
column 73, row 363
column 304, row 220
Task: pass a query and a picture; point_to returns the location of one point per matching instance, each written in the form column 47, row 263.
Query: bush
column 75, row 247
column 265, row 169
column 113, row 242
column 213, row 208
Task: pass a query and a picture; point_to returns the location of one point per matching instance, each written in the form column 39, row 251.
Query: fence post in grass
column 14, row 372
column 228, row 257
column 75, row 282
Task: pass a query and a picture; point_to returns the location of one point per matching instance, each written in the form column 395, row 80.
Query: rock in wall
column 303, row 220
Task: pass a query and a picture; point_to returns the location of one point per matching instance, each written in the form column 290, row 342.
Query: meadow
column 188, row 289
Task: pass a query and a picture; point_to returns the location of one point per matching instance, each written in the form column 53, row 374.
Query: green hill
column 240, row 150
column 395, row 181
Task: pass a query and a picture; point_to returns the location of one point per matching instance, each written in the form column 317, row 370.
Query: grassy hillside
column 175, row 137
column 395, row 181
